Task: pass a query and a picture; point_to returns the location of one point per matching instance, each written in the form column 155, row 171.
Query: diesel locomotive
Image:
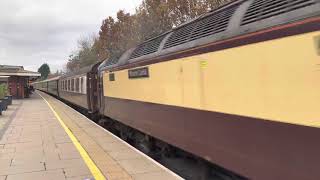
column 238, row 87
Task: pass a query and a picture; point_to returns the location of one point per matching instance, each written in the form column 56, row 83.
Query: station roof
column 8, row 70
column 4, row 78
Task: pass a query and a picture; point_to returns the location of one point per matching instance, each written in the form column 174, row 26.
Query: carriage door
column 100, row 93
column 92, row 92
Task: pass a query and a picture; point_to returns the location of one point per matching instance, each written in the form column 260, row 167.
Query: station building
column 17, row 79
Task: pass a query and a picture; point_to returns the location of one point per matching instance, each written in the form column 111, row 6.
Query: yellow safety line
column 95, row 171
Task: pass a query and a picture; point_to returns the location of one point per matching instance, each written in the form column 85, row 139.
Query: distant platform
column 42, row 138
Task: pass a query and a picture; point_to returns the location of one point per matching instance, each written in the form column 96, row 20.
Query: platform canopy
column 7, row 70
column 4, row 79
column 17, row 79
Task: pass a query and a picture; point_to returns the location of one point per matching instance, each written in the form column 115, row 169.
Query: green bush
column 3, row 90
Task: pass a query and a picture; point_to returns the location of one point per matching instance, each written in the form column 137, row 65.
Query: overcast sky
column 36, row 31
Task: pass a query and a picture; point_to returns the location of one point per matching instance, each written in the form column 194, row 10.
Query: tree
column 58, row 73
column 152, row 17
column 117, row 35
column 44, row 70
column 85, row 55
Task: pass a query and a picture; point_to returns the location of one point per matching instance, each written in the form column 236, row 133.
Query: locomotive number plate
column 138, row 73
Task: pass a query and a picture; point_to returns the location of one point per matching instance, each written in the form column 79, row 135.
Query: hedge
column 3, row 90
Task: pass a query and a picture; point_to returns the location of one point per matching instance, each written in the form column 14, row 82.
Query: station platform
column 44, row 139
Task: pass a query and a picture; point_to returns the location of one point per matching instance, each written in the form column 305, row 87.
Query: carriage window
column 72, row 84
column 84, row 87
column 81, row 84
column 77, row 85
column 69, row 82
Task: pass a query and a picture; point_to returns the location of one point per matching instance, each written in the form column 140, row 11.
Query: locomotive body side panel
column 275, row 79
column 233, row 107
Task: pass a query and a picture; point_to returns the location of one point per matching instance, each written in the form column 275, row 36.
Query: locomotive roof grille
column 180, row 36
column 220, row 24
column 147, row 47
column 112, row 60
column 212, row 24
column 263, row 9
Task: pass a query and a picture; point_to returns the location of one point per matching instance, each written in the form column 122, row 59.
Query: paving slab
column 34, row 145
column 7, row 117
column 116, row 159
column 41, row 175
